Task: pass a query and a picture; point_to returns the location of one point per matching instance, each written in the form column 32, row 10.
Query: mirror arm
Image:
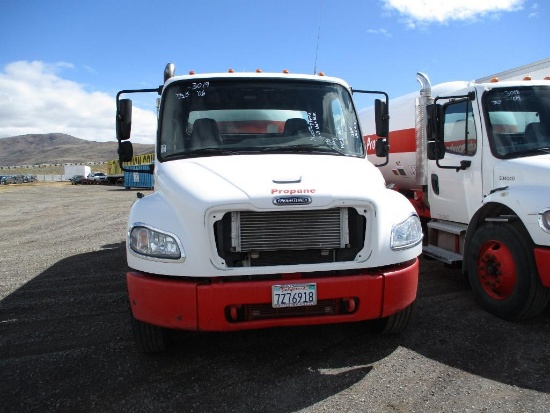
column 387, row 151
column 463, row 165
column 387, row 117
column 157, row 90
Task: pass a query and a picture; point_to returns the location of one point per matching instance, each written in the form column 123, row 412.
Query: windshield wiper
column 304, row 148
column 528, row 152
column 213, row 150
column 201, row 152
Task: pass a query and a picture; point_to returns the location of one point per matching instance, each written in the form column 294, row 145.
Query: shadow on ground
column 66, row 345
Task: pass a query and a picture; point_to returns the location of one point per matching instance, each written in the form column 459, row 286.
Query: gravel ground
column 66, row 345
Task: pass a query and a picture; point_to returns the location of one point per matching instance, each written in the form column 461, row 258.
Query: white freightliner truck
column 264, row 211
column 474, row 160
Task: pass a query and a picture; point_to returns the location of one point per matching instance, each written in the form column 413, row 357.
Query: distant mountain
column 52, row 148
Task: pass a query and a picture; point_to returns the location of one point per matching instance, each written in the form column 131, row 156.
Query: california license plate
column 293, row 295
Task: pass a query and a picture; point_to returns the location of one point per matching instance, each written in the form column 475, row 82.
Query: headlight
column 152, row 243
column 407, row 234
column 544, row 220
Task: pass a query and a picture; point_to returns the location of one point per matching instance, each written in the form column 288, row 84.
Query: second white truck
column 474, row 160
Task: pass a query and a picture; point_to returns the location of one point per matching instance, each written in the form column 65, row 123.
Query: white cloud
column 534, row 13
column 382, row 32
column 443, row 11
column 34, row 98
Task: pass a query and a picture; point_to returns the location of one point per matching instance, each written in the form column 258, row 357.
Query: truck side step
column 448, row 257
column 446, row 241
column 449, row 227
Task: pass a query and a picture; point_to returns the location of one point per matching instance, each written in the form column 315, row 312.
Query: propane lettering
column 291, row 191
column 371, row 144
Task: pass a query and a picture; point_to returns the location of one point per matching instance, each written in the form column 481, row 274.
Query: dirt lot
column 66, row 345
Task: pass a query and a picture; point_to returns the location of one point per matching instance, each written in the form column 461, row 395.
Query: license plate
column 293, row 295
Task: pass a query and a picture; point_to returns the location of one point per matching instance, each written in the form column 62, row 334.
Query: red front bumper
column 214, row 305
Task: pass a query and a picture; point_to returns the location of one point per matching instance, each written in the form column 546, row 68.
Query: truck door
column 455, row 194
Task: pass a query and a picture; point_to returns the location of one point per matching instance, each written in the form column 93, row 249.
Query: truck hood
column 533, row 170
column 264, row 180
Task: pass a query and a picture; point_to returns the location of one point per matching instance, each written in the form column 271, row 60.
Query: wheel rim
column 496, row 270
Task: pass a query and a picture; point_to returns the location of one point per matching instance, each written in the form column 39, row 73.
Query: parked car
column 8, row 179
column 77, row 179
column 99, row 177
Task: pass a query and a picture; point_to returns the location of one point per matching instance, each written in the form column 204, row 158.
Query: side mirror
column 381, row 148
column 124, row 119
column 125, row 151
column 435, row 122
column 436, row 150
column 381, row 118
column 440, row 122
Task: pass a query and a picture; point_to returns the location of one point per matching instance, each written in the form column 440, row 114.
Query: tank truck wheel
column 394, row 323
column 503, row 274
column 149, row 338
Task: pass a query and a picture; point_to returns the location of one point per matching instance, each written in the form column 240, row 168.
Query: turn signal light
column 349, row 305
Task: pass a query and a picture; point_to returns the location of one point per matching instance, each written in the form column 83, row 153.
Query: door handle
column 435, row 184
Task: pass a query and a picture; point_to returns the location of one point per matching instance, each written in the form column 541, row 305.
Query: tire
column 149, row 338
column 503, row 274
column 398, row 322
column 395, row 323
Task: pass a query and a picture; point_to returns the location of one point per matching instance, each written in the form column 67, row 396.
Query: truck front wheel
column 398, row 322
column 149, row 338
column 503, row 274
column 394, row 323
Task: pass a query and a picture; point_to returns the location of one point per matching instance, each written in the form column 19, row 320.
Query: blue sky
column 62, row 62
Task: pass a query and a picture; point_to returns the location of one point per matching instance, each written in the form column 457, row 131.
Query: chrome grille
column 289, row 230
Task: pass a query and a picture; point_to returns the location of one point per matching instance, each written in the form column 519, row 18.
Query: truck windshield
column 242, row 116
column 519, row 121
